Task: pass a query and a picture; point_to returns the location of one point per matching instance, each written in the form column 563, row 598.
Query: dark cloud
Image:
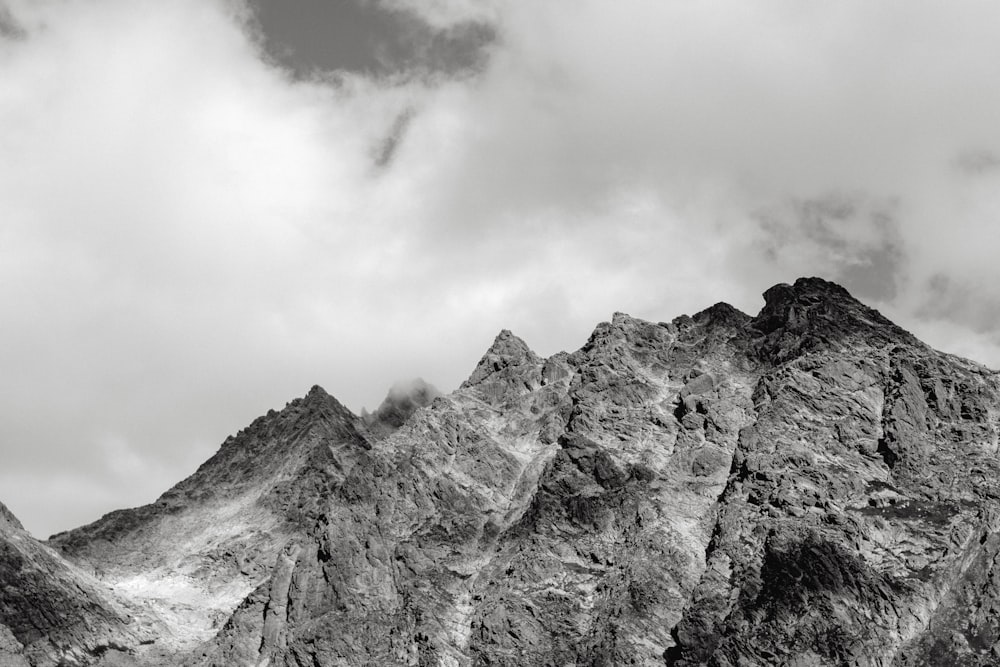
column 373, row 38
column 386, row 148
column 9, row 27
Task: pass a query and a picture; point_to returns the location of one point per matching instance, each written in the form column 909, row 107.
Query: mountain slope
column 676, row 493
column 205, row 544
column 53, row 613
column 809, row 486
column 858, row 525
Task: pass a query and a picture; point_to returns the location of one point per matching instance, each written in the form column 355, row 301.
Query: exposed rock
column 8, row 520
column 206, row 544
column 51, row 613
column 814, row 315
column 507, row 371
column 810, row 486
column 11, row 650
column 857, row 504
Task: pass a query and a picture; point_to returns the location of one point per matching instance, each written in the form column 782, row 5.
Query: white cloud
column 445, row 14
column 190, row 237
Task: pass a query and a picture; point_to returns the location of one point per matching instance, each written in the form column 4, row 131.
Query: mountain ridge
column 810, row 485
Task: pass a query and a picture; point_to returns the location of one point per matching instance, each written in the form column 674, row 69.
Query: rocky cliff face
column 859, row 523
column 810, row 486
column 52, row 612
column 206, row 544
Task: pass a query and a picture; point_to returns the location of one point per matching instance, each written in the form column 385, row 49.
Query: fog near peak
column 408, row 388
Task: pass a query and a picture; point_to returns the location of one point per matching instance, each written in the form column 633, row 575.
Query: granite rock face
column 52, row 613
column 209, row 542
column 858, row 524
column 810, row 486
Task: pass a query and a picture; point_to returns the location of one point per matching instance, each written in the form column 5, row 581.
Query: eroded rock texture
column 53, row 613
column 810, row 486
column 862, row 502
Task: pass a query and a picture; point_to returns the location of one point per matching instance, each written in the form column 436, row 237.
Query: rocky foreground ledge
column 810, row 486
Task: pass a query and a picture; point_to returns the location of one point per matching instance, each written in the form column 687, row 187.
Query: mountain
column 809, row 486
column 209, row 542
column 52, row 612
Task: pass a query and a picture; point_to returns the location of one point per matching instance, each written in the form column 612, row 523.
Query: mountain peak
column 812, row 458
column 319, row 403
column 319, row 396
column 507, row 352
column 722, row 314
column 6, row 516
column 318, row 391
column 812, row 301
column 804, row 289
column 814, row 312
column 506, row 343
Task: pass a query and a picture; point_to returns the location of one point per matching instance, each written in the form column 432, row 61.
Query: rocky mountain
column 52, row 613
column 209, row 542
column 809, row 486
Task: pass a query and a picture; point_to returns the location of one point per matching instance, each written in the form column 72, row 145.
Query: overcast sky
column 207, row 206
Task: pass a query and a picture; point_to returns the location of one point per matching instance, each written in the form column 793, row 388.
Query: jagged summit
column 235, row 513
column 722, row 314
column 815, row 303
column 808, row 486
column 274, row 447
column 814, row 313
column 810, row 314
column 6, row 516
column 507, row 356
column 812, row 285
column 317, row 392
column 318, row 401
column 508, row 347
column 619, row 319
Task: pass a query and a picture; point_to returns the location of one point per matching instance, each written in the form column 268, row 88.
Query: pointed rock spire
column 507, row 352
column 509, row 365
column 6, row 516
column 722, row 314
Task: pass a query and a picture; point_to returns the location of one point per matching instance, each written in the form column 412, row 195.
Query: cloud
column 192, row 234
column 377, row 38
column 851, row 239
column 447, row 14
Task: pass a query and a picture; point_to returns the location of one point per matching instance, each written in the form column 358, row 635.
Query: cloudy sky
column 207, row 206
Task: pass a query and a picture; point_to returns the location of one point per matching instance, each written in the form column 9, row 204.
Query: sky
column 208, row 206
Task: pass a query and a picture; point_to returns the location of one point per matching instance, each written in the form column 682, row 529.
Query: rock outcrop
column 810, row 486
column 209, row 542
column 861, row 504
column 52, row 613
